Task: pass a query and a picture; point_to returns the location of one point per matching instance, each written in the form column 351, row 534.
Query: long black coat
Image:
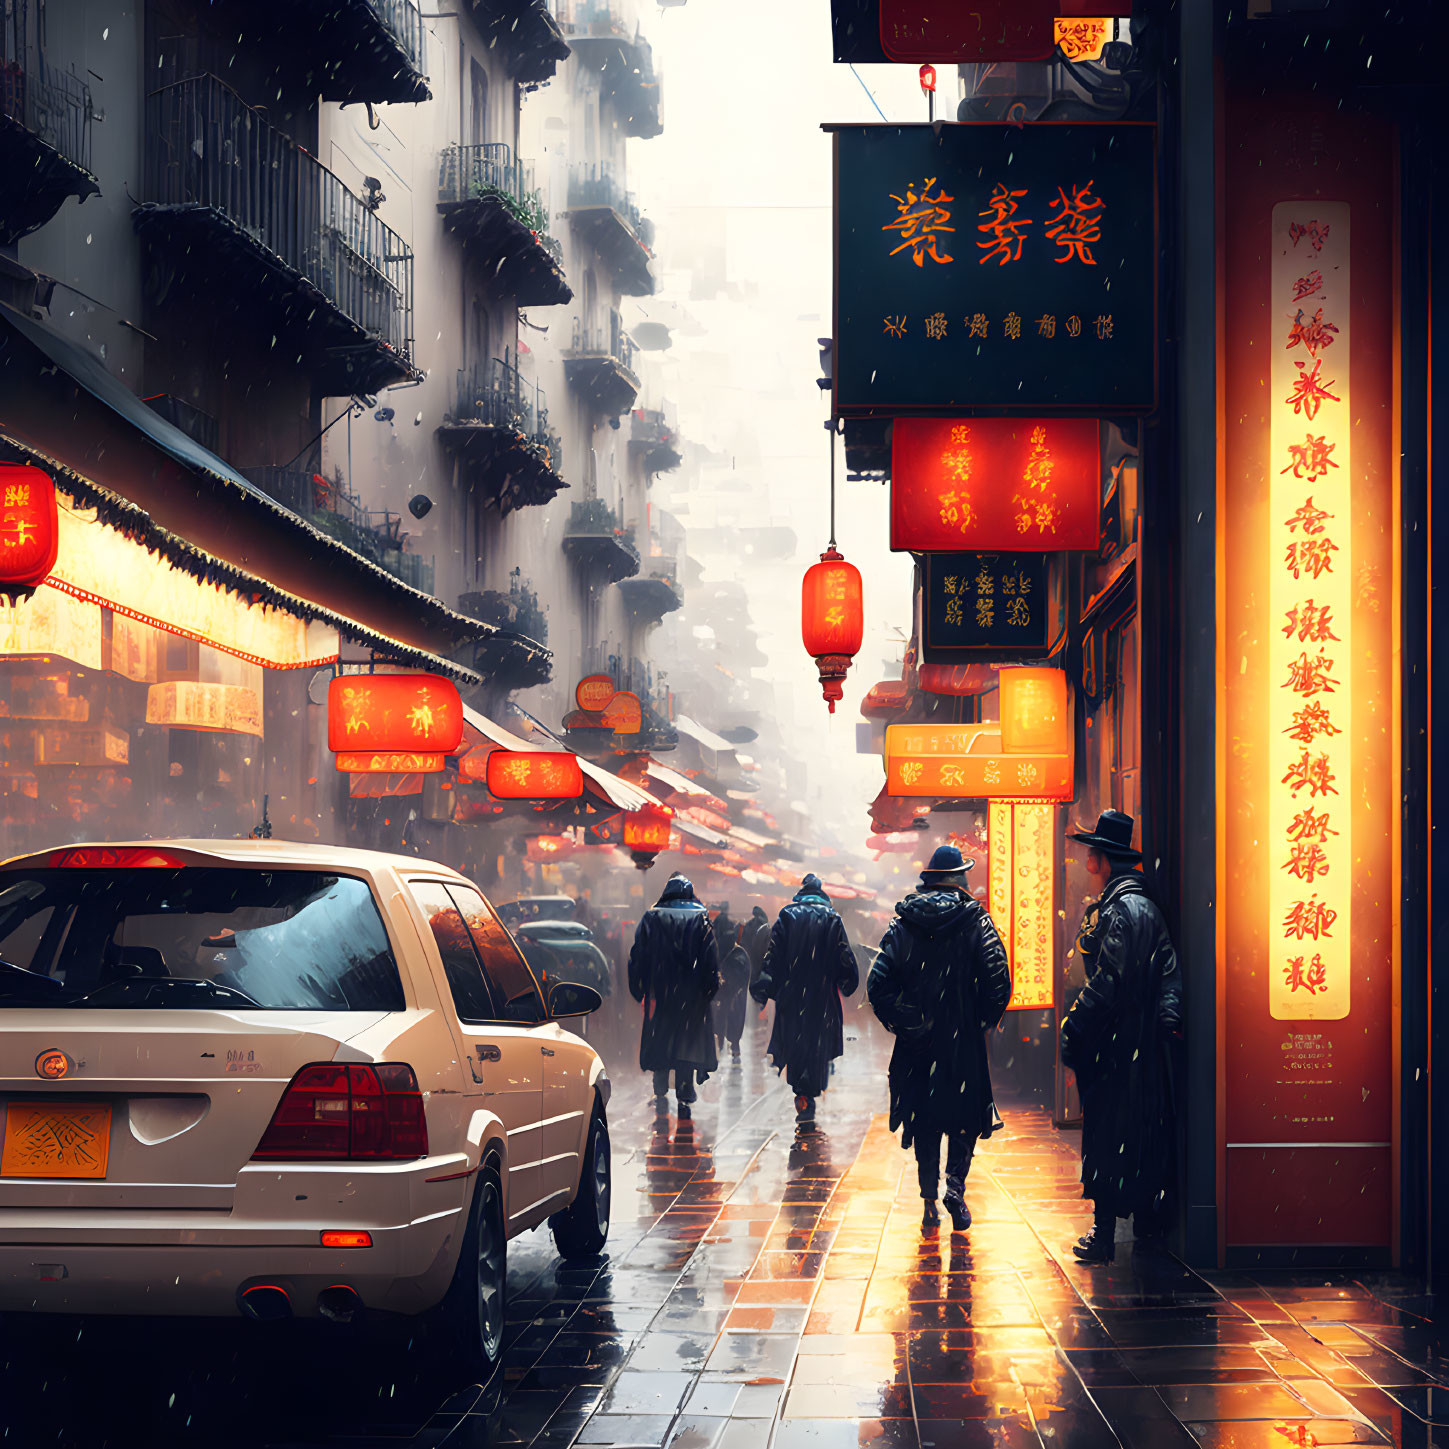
column 674, row 972
column 1116, row 1038
column 940, row 983
column 808, row 966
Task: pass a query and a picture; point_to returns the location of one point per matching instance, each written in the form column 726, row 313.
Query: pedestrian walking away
column 674, row 974
column 808, row 966
column 734, row 968
column 940, row 983
column 757, row 939
column 1116, row 1038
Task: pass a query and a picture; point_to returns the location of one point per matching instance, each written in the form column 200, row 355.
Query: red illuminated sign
column 410, row 713
column 947, row 30
column 647, row 831
column 29, row 525
column 995, row 484
column 534, row 775
column 624, row 714
column 594, row 692
column 389, row 762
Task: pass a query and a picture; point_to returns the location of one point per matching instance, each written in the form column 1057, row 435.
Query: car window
column 471, row 996
column 194, row 936
column 514, row 986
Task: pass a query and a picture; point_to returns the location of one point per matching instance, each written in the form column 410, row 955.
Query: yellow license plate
column 56, row 1139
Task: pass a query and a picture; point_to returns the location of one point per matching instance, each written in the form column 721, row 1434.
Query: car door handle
column 489, row 1054
column 548, row 1051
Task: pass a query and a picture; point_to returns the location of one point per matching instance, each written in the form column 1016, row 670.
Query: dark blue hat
column 947, row 861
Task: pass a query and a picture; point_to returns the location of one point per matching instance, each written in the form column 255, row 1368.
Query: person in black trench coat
column 940, row 983
column 1116, row 1038
column 808, row 966
column 674, row 972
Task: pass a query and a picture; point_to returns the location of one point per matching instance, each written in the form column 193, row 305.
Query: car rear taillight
column 333, row 1112
column 105, row 857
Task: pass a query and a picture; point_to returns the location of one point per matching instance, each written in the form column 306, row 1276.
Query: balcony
column 600, row 364
column 357, row 50
column 597, row 542
column 45, row 143
column 488, row 199
column 527, row 34
column 608, row 218
column 516, row 654
column 499, row 433
column 655, row 590
column 605, row 42
column 236, row 212
column 375, row 534
column 655, row 440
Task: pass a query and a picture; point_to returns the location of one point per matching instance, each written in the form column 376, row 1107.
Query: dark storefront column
column 1193, row 263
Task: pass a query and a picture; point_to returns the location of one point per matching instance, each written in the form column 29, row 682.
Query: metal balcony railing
column 518, row 611
column 405, row 20
column 470, row 173
column 607, row 340
column 374, row 533
column 598, row 186
column 205, row 147
column 495, row 393
column 54, row 105
column 594, row 517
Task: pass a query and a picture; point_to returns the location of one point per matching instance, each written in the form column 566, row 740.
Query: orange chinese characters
column 1311, row 825
column 1310, row 391
column 1310, row 723
column 1315, row 335
column 1310, row 459
column 1312, row 977
column 1307, row 861
column 1312, row 918
column 922, row 219
column 1309, row 675
column 1037, row 507
column 1006, row 230
column 1307, row 286
column 1315, row 233
column 1313, row 623
column 1313, row 773
column 1077, row 222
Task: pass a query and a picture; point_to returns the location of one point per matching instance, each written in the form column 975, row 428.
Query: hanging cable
column 831, row 427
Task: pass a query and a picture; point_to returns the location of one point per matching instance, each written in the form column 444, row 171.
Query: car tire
column 582, row 1229
column 470, row 1318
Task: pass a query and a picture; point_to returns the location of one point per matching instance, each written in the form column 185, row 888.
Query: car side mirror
column 572, row 998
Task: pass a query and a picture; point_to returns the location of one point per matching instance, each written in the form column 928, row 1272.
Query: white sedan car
column 259, row 1078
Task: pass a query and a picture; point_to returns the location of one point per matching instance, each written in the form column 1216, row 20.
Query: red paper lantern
column 957, row 679
column 832, row 619
column 928, row 77
column 887, row 698
column 29, row 526
column 534, row 775
column 394, row 712
column 646, row 831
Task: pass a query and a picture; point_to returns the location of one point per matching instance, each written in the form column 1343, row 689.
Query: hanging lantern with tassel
column 832, row 615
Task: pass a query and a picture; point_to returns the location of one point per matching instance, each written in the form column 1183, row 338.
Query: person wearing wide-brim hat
column 941, row 981
column 1115, row 1038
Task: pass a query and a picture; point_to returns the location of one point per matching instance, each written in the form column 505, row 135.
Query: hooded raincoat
column 674, row 972
column 734, row 970
column 940, row 983
column 1116, row 1039
column 808, row 966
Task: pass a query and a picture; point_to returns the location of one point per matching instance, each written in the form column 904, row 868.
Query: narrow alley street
column 764, row 1288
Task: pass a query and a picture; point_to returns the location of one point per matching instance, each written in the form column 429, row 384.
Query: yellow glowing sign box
column 1022, row 893
column 968, row 762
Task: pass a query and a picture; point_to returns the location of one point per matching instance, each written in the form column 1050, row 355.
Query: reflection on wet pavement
column 768, row 1288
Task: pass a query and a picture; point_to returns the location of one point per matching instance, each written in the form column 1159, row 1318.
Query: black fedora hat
column 1113, row 836
column 947, row 860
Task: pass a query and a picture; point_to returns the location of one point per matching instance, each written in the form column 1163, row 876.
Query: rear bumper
column 196, row 1263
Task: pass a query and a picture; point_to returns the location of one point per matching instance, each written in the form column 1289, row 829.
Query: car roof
column 564, row 929
column 295, row 853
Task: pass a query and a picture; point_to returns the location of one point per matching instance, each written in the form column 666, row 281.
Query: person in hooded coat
column 808, row 966
column 1116, row 1038
column 734, row 970
column 756, row 939
column 940, row 983
column 674, row 973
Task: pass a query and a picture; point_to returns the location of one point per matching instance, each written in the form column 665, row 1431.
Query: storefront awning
column 702, row 736
column 673, row 780
column 61, row 407
column 150, row 574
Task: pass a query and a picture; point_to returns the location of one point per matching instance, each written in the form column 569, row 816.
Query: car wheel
column 582, row 1229
column 471, row 1314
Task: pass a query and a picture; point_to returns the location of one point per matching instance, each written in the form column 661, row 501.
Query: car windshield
column 194, row 937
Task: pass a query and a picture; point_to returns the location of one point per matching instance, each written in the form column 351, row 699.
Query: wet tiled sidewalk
column 773, row 1288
